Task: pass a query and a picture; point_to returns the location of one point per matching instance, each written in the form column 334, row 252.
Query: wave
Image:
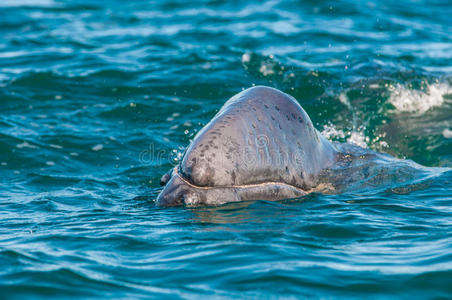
column 30, row 3
column 419, row 101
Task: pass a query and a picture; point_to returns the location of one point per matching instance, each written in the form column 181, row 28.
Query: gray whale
column 262, row 145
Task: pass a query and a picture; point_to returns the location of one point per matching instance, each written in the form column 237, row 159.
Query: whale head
column 260, row 145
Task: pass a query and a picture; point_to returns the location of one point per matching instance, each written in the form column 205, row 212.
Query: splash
column 262, row 65
column 406, row 99
column 356, row 137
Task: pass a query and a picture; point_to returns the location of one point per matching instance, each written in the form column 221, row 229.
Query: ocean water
column 99, row 98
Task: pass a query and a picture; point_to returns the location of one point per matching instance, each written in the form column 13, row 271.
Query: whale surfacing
column 261, row 145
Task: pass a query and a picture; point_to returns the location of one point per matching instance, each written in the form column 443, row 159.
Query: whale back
column 260, row 135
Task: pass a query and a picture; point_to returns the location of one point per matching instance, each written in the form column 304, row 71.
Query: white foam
column 352, row 137
column 356, row 137
column 330, row 132
column 447, row 133
column 416, row 101
column 97, row 147
column 26, row 145
column 246, row 57
column 267, row 68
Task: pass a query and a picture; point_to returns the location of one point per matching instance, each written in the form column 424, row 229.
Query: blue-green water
column 99, row 98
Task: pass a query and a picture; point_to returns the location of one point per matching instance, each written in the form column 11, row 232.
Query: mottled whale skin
column 261, row 145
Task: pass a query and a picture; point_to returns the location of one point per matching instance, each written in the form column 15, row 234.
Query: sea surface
column 99, row 98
